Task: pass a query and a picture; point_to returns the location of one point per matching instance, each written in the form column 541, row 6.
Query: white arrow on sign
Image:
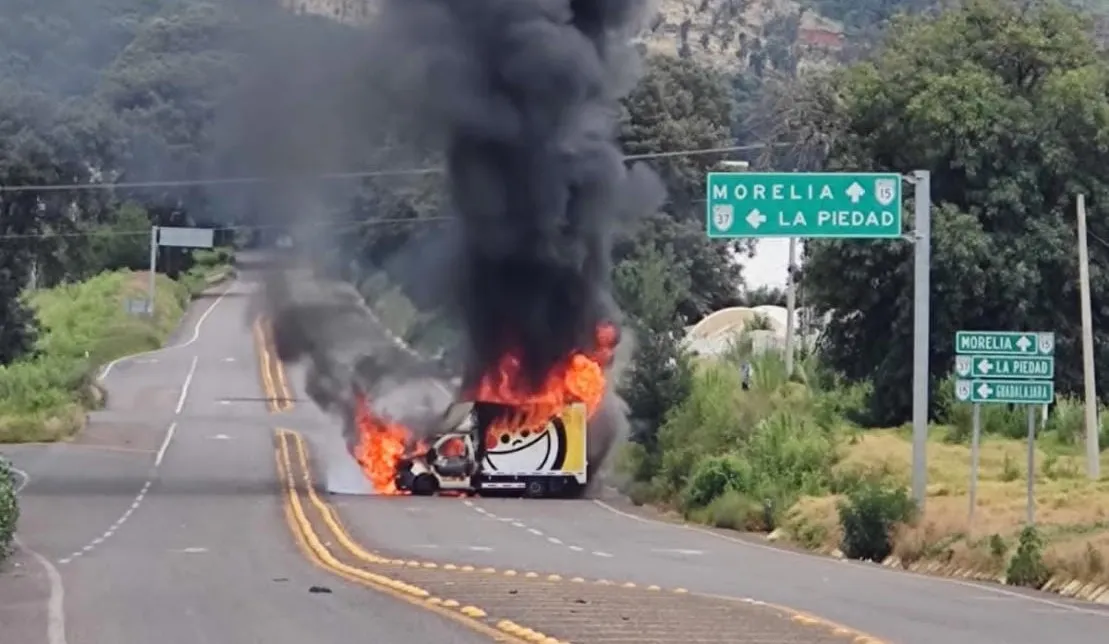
column 1024, row 343
column 756, row 218
column 855, row 192
column 984, row 366
column 985, row 391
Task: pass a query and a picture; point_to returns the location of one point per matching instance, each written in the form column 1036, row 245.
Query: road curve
column 163, row 521
column 598, row 540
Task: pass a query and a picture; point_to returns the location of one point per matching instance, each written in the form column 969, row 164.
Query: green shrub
column 714, row 476
column 868, row 517
column 733, row 511
column 711, row 420
column 9, row 508
column 207, row 264
column 1027, row 567
column 84, row 325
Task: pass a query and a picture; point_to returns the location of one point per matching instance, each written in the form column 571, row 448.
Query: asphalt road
column 163, row 522
column 598, row 540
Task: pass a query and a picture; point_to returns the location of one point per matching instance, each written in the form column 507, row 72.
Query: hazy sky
column 768, row 267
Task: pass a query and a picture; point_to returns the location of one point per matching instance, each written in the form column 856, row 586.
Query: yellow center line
column 279, row 369
column 273, row 401
column 318, row 554
column 331, row 518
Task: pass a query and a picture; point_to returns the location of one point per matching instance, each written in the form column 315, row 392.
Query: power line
column 145, row 232
column 332, row 176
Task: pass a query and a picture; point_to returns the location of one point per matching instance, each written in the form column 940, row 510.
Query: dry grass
column 1071, row 511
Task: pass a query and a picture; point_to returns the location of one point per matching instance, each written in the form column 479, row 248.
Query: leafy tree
column 649, row 287
column 683, row 105
column 764, row 295
column 1007, row 107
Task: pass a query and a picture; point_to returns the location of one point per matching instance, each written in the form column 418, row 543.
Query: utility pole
column 1093, row 451
column 791, row 305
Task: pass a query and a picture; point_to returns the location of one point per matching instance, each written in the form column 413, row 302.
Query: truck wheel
column 535, row 489
column 425, row 485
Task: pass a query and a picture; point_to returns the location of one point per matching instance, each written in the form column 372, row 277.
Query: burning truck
column 520, row 100
column 496, row 439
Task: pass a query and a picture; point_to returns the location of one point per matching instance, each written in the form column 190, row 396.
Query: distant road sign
column 1005, row 343
column 186, row 237
column 982, row 366
column 1027, row 392
column 136, row 306
column 803, row 204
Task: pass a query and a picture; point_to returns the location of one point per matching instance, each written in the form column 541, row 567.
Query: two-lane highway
column 595, row 540
column 164, row 523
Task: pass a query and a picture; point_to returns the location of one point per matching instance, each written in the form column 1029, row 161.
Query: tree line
column 1004, row 102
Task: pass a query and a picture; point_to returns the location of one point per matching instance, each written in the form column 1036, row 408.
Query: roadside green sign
column 809, row 204
column 1007, row 367
column 1020, row 392
column 1005, row 343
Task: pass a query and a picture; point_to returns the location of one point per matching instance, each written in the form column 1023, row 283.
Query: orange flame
column 380, row 447
column 580, row 378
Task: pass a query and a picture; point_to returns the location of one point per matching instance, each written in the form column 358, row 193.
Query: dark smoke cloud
column 522, row 95
column 327, row 326
column 520, row 98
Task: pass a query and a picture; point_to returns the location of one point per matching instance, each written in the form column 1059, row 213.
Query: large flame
column 381, row 446
column 579, row 378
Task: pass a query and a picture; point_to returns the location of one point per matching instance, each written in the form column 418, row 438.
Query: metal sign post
column 843, row 205
column 922, row 295
column 174, row 237
column 975, row 438
column 1005, row 367
column 153, row 266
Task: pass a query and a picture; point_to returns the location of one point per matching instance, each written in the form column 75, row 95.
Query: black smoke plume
column 522, row 97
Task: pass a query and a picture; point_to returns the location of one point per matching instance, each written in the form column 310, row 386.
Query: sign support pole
column 791, row 306
column 1031, row 465
column 153, row 263
column 975, row 438
column 922, row 268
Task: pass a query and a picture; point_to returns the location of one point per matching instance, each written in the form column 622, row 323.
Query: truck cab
column 478, row 450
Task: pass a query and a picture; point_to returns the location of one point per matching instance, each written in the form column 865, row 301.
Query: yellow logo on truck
column 555, row 447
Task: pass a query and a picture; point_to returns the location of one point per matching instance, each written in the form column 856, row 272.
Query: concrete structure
column 716, row 332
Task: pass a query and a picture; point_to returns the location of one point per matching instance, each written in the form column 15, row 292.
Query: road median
column 275, row 384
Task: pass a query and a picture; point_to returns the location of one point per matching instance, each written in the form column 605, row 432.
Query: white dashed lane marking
column 112, row 529
column 515, row 523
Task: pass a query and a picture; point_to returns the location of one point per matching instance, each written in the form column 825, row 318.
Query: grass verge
column 209, row 266
column 787, row 457
column 44, row 397
column 1071, row 511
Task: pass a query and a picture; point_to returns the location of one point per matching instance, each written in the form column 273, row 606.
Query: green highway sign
column 1027, row 392
column 1005, row 343
column 803, row 204
column 1008, row 367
